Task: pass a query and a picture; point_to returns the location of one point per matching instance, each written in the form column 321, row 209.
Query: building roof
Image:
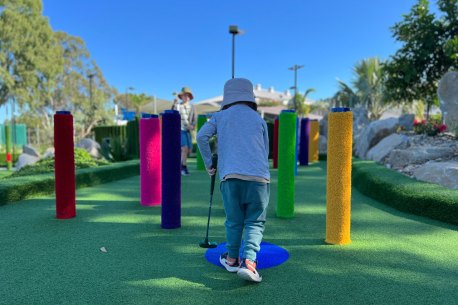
column 261, row 94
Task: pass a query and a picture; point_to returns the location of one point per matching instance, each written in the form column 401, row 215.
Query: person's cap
column 238, row 90
column 185, row 90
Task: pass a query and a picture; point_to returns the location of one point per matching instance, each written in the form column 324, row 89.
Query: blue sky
column 159, row 46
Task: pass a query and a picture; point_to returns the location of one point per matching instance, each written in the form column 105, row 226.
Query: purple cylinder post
column 171, row 166
column 304, row 143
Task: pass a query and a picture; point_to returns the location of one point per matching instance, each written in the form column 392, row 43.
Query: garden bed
column 405, row 194
column 19, row 188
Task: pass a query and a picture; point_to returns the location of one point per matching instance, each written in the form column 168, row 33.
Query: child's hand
column 211, row 171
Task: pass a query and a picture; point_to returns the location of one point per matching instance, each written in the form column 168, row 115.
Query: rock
column 373, row 134
column 385, row 146
column 448, row 96
column 406, row 121
column 443, row 173
column 25, row 159
column 323, row 144
column 29, row 150
column 418, row 154
column 91, row 146
column 49, row 153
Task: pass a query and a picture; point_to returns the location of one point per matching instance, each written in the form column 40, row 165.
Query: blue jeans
column 186, row 139
column 245, row 204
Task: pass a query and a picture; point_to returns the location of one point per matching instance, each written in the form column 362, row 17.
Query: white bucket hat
column 238, row 90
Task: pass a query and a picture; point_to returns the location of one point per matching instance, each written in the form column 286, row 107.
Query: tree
column 30, row 57
column 369, row 88
column 429, row 48
column 72, row 91
column 139, row 100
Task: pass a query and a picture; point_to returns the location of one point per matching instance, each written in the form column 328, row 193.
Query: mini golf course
column 394, row 258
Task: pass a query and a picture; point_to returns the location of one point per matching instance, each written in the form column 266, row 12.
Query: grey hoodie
column 243, row 142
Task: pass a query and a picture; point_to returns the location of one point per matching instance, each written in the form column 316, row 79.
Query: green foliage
column 82, row 160
column 427, row 52
column 19, row 188
column 404, row 193
column 368, row 88
column 299, row 103
column 29, row 55
column 133, row 139
column 47, row 71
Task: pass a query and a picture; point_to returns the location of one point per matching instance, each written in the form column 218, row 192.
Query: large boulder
column 448, row 96
column 406, row 121
column 29, row 150
column 399, row 158
column 91, row 146
column 385, row 146
column 373, row 134
column 443, row 173
column 25, row 159
column 49, row 153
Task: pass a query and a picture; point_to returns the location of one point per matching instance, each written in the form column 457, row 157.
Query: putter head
column 207, row 245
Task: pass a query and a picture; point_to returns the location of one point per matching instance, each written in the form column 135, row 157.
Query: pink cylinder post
column 150, row 161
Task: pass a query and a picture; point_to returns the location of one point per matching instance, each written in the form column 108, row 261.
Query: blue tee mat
column 269, row 256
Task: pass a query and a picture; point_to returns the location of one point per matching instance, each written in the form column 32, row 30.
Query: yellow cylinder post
column 313, row 140
column 338, row 184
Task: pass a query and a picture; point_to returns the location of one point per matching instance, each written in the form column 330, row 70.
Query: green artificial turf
column 395, row 258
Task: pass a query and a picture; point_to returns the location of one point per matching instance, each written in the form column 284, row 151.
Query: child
column 243, row 149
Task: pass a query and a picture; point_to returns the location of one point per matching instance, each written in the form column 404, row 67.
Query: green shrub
column 19, row 188
column 404, row 193
column 82, row 160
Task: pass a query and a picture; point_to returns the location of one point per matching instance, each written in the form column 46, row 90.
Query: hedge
column 15, row 189
column 404, row 193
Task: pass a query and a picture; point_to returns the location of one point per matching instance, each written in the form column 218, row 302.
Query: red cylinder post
column 275, row 146
column 64, row 163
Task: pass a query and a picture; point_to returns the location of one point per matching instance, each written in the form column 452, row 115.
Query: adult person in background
column 188, row 124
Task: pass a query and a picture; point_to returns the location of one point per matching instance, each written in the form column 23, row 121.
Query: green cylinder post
column 286, row 164
column 201, row 120
column 9, row 157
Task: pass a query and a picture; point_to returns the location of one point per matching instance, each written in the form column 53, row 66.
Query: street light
column 234, row 30
column 295, row 68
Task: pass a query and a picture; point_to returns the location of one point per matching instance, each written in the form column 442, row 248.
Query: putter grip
column 215, row 166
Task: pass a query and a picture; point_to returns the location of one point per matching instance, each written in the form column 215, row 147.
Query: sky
column 159, row 46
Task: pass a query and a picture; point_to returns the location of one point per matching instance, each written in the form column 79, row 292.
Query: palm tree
column 369, row 88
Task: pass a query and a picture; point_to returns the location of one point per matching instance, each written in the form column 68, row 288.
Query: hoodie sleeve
column 203, row 140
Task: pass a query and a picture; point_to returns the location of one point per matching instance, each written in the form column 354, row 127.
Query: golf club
column 206, row 243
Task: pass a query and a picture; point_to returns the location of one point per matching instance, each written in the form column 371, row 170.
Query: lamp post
column 295, row 68
column 234, row 30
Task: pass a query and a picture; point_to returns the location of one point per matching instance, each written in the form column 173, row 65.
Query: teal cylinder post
column 286, row 161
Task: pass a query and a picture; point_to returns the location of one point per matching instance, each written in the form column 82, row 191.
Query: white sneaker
column 231, row 267
column 247, row 271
